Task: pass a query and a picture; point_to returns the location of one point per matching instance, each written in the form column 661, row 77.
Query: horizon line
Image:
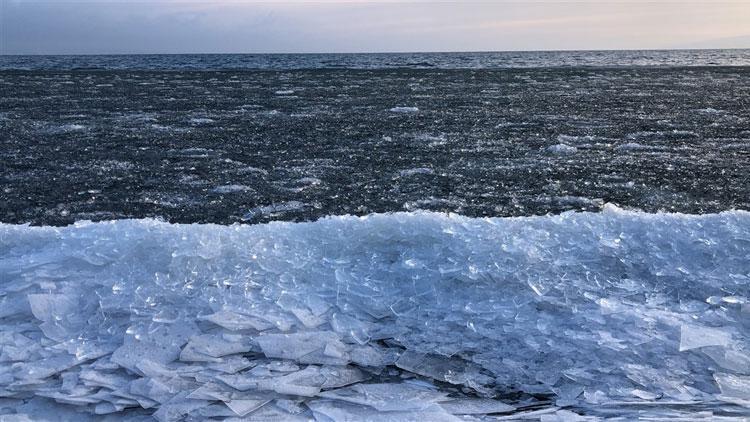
column 380, row 52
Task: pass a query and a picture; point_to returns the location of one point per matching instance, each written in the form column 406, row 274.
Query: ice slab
column 694, row 337
column 471, row 406
column 388, row 397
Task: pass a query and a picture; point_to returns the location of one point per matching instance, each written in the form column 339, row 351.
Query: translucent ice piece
column 307, row 347
column 735, row 386
column 212, row 346
column 387, row 397
column 243, row 407
column 340, row 411
column 177, row 408
column 470, row 406
column 53, row 307
column 694, row 337
column 235, row 321
column 437, row 367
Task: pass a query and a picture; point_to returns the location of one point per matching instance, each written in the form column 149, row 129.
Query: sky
column 304, row 26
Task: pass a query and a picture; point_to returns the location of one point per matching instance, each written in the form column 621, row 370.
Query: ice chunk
column 562, row 149
column 232, row 188
column 177, row 408
column 563, row 415
column 735, row 386
column 207, row 348
column 201, row 120
column 387, row 397
column 454, row 371
column 322, row 347
column 243, row 407
column 475, row 406
column 415, row 171
column 336, row 411
column 38, row 370
column 404, row 110
column 234, row 321
column 53, row 307
column 694, row 337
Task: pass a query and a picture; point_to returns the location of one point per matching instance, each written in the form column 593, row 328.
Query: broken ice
column 406, row 316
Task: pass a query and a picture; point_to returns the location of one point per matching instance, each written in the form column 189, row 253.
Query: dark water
column 251, row 145
column 479, row 60
column 612, row 314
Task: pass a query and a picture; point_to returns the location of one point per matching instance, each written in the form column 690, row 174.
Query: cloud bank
column 304, row 26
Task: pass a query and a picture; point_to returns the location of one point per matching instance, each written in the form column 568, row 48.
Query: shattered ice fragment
column 404, row 110
column 234, row 321
column 387, row 397
column 694, row 337
column 322, row 347
column 336, row 411
column 735, row 386
column 53, row 307
column 209, row 347
column 475, row 406
column 243, row 407
column 562, row 149
column 443, row 369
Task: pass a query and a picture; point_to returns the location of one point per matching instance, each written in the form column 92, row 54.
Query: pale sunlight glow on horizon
column 305, row 26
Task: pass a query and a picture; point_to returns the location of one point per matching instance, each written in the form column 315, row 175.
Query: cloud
column 182, row 26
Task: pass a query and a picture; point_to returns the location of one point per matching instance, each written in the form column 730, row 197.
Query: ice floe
column 562, row 149
column 404, row 109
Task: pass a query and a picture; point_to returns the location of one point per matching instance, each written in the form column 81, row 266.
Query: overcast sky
column 247, row 26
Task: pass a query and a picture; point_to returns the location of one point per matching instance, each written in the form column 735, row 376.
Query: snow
column 411, row 316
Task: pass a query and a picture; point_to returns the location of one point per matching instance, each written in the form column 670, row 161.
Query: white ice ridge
column 407, row 316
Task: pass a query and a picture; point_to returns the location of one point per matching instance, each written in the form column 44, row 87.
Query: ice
column 735, row 386
column 694, row 337
column 333, row 411
column 415, row 171
column 454, row 371
column 387, row 397
column 476, row 406
column 404, row 109
column 633, row 146
column 208, row 348
column 404, row 316
column 243, row 407
column 232, row 188
column 307, row 347
column 234, row 321
column 272, row 209
column 562, row 149
column 201, row 120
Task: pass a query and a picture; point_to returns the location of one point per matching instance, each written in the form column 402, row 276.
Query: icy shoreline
column 393, row 316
